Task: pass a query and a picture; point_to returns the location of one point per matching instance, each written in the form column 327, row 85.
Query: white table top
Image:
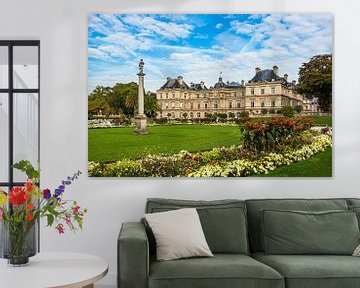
column 45, row 270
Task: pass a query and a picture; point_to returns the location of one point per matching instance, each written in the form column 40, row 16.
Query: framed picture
column 210, row 95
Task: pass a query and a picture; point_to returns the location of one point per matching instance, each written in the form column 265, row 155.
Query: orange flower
column 29, row 217
column 29, row 186
column 29, row 206
column 27, row 196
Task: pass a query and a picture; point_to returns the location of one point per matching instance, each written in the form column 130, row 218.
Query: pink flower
column 1, row 213
column 60, row 228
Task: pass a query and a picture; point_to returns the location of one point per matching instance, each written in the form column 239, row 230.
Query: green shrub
column 287, row 111
column 272, row 135
column 298, row 108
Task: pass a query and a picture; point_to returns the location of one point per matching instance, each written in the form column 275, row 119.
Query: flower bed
column 218, row 162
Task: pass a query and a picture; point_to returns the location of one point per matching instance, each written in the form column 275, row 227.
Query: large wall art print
column 210, row 95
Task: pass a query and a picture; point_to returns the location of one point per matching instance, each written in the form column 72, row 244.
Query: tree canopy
column 121, row 99
column 315, row 80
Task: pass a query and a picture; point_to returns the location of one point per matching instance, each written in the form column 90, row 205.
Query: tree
column 298, row 108
column 151, row 106
column 315, row 80
column 100, row 92
column 287, row 111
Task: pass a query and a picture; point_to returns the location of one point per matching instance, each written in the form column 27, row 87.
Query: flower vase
column 18, row 242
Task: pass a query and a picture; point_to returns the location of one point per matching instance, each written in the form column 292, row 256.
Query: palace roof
column 178, row 83
column 265, row 75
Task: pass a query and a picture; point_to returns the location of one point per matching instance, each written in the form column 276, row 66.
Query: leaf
column 50, row 219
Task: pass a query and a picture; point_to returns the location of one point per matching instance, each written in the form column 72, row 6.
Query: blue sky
column 200, row 46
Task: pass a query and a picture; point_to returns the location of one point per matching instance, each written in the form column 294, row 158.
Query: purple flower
column 46, row 194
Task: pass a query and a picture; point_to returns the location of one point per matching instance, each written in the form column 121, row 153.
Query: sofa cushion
column 353, row 201
column 297, row 232
column 254, row 217
column 178, row 234
column 223, row 221
column 222, row 270
column 314, row 271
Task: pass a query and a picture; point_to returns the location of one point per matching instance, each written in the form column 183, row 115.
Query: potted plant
column 21, row 208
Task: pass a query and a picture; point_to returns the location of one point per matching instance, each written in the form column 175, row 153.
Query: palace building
column 266, row 92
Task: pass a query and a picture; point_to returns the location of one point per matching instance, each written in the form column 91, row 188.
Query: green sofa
column 234, row 230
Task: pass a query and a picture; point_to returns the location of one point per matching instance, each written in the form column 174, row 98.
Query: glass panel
column 26, row 63
column 26, row 130
column 4, row 67
column 4, row 137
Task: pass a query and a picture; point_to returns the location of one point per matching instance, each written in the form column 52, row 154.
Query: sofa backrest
column 223, row 221
column 255, row 206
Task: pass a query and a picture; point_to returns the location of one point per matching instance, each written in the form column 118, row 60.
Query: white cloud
column 219, row 25
column 96, row 53
column 152, row 26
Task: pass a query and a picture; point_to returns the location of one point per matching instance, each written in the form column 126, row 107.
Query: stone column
column 140, row 117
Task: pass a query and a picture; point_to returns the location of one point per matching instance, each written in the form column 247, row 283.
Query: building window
column 262, row 91
column 262, row 104
column 252, row 91
column 167, row 105
column 230, row 105
column 205, row 105
column 198, row 105
column 273, row 103
column 272, row 90
column 160, row 96
column 167, row 95
column 174, row 96
column 198, row 114
column 191, row 106
column 215, row 105
column 191, row 115
column 238, row 105
column 185, row 96
column 252, row 104
column 197, row 96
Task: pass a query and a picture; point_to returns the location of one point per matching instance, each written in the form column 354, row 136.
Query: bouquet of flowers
column 23, row 206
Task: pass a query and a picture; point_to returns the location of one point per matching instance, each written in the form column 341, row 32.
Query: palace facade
column 266, row 92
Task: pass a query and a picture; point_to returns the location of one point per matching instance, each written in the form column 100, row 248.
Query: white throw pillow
column 178, row 234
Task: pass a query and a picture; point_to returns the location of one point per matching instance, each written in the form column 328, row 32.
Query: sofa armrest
column 133, row 256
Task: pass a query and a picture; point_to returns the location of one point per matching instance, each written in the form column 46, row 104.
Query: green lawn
column 319, row 165
column 322, row 120
column 111, row 144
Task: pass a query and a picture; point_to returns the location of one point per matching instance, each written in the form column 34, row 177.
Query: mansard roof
column 265, row 75
column 222, row 84
column 198, row 86
column 178, row 83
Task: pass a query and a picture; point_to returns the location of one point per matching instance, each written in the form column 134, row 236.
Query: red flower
column 60, row 228
column 29, row 206
column 29, row 217
column 27, row 196
column 29, row 186
column 17, row 196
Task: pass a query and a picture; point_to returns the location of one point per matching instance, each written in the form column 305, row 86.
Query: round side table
column 54, row 270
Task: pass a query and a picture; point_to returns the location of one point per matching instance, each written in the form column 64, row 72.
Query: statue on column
column 140, row 117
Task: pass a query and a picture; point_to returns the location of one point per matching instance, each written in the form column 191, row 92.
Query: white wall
column 61, row 25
